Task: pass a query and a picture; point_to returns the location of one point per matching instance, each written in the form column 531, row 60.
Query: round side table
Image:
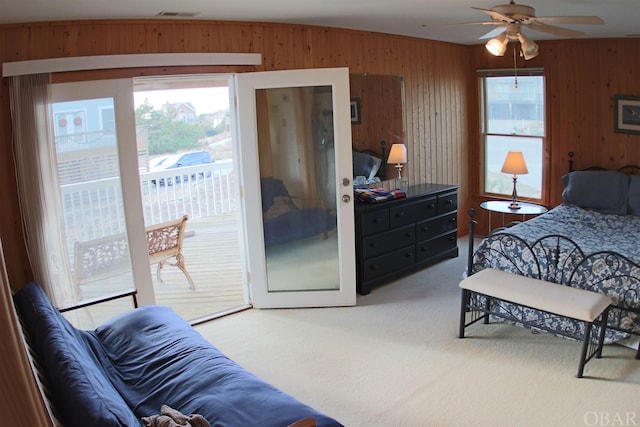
column 503, row 207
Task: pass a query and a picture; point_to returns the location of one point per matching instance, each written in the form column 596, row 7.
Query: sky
column 205, row 100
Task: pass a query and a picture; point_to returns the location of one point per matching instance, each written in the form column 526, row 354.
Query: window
column 108, row 118
column 512, row 119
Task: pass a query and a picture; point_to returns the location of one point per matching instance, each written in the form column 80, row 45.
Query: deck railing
column 91, row 209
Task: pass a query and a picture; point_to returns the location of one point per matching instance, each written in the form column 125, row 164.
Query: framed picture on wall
column 627, row 114
column 355, row 111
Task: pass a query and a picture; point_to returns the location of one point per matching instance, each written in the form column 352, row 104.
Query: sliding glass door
column 94, row 127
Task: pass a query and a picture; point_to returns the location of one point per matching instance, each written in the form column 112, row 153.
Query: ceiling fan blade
column 581, row 20
column 557, row 31
column 463, row 23
column 494, row 33
column 495, row 15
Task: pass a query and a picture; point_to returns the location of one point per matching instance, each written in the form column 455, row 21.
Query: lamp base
column 514, row 196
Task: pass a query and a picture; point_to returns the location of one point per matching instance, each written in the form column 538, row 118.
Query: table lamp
column 398, row 155
column 514, row 163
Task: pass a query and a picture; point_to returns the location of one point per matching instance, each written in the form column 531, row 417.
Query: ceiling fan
column 510, row 18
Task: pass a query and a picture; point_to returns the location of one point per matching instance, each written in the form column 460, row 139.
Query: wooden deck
column 212, row 256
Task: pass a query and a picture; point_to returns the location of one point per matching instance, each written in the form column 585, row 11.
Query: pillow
column 365, row 165
column 634, row 195
column 602, row 191
column 280, row 206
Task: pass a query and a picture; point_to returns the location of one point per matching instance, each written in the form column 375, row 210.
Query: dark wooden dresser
column 401, row 236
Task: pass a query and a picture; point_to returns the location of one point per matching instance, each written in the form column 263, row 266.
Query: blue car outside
column 181, row 160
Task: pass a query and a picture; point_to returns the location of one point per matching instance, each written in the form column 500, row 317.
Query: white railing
column 93, row 209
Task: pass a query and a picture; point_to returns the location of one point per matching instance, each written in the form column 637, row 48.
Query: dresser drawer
column 388, row 241
column 436, row 226
column 410, row 213
column 447, row 202
column 433, row 247
column 389, row 262
column 375, row 222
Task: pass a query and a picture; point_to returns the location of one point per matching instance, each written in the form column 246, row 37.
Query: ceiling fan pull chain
column 515, row 67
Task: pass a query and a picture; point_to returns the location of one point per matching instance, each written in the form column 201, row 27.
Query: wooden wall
column 436, row 77
column 582, row 78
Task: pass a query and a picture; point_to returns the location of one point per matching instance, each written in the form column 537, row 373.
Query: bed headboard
column 627, row 169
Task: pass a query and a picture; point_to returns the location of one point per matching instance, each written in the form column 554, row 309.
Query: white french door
column 294, row 134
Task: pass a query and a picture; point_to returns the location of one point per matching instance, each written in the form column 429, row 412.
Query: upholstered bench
column 483, row 290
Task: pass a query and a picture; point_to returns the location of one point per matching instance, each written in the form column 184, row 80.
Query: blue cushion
column 297, row 224
column 602, row 191
column 270, row 189
column 80, row 390
column 161, row 360
column 634, row 195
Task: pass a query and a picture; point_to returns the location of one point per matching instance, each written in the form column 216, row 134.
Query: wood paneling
column 436, row 76
column 441, row 98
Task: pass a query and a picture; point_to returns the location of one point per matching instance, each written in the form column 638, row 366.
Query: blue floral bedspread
column 592, row 231
column 586, row 264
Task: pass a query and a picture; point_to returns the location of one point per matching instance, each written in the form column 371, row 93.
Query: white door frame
column 246, row 86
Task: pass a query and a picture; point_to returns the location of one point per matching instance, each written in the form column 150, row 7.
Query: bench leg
column 604, row 318
column 585, row 347
column 180, row 264
column 463, row 311
column 487, row 306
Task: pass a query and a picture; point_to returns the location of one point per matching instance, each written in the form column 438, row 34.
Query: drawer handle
column 453, row 238
column 373, row 267
column 449, row 202
column 432, row 206
column 372, row 245
column 408, row 234
column 425, row 228
column 376, row 220
column 407, row 255
column 453, row 219
column 399, row 214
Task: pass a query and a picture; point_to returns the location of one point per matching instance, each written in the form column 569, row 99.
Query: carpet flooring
column 395, row 360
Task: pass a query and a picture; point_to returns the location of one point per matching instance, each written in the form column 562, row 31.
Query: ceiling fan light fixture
column 529, row 47
column 498, row 45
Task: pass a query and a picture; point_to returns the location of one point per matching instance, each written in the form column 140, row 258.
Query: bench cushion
column 551, row 297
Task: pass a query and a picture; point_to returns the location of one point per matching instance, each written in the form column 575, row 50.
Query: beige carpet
column 394, row 360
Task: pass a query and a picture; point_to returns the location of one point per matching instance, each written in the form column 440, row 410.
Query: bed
column 589, row 242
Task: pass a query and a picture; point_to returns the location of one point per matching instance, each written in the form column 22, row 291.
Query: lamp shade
column 529, row 47
column 398, row 154
column 498, row 46
column 514, row 163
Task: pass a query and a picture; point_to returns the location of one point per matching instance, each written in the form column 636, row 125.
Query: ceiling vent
column 171, row 14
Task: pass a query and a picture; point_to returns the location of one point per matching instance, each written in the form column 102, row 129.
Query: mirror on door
column 297, row 177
